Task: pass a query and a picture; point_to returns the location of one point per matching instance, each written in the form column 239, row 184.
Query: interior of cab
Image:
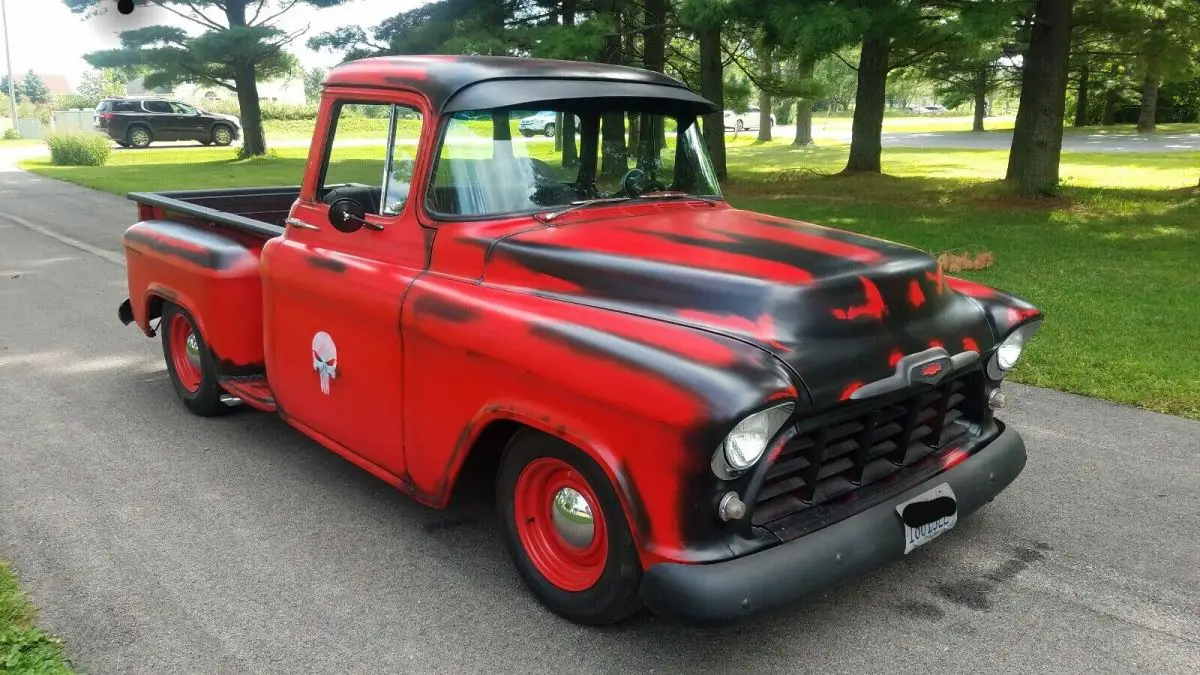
column 484, row 167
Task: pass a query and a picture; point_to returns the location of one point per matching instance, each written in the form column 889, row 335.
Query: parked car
column 543, row 123
column 139, row 121
column 685, row 406
column 744, row 120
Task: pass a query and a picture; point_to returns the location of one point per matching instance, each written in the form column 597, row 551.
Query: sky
column 45, row 36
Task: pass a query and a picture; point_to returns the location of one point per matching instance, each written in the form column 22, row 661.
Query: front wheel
column 221, row 135
column 190, row 364
column 550, row 130
column 566, row 531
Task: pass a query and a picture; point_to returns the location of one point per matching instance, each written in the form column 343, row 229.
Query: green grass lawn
column 1112, row 262
column 24, row 649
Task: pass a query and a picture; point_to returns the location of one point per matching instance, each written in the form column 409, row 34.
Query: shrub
column 11, row 134
column 270, row 109
column 78, row 149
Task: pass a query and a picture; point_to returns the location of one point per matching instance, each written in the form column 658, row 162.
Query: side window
column 157, row 106
column 183, row 109
column 370, row 157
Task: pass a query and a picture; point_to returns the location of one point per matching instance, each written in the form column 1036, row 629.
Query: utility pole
column 12, row 83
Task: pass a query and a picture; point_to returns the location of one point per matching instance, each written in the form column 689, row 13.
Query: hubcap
column 140, row 137
column 573, row 518
column 193, row 349
column 559, row 524
column 222, row 136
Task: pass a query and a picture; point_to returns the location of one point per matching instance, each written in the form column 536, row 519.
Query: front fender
column 648, row 399
column 1004, row 311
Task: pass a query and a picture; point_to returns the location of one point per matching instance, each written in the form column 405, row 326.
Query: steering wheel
column 637, row 182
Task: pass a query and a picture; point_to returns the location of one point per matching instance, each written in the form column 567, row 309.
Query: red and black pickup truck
column 701, row 410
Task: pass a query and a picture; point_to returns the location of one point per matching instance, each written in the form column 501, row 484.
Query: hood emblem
column 928, row 367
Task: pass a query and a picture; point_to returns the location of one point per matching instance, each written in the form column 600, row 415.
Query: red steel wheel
column 190, row 364
column 566, row 530
column 560, row 524
column 185, row 353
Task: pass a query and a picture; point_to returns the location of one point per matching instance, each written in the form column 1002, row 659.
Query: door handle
column 300, row 224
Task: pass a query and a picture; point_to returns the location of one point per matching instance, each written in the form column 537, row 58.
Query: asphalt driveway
column 155, row 541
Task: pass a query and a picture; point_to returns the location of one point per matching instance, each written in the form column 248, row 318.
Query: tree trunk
column 614, row 160
column 1081, row 96
column 980, row 86
column 764, row 97
column 245, row 80
column 1037, row 137
column 804, row 72
column 566, row 130
column 253, row 142
column 1153, row 77
column 1155, row 47
column 654, row 46
column 712, row 88
column 867, row 128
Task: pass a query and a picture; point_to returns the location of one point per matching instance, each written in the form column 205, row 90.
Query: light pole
column 12, row 83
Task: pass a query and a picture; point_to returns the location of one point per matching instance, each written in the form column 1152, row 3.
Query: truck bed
column 259, row 211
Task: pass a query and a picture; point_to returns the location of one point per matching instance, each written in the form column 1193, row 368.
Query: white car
column 744, row 120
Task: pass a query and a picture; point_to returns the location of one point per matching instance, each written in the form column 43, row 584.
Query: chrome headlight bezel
column 1006, row 354
column 744, row 446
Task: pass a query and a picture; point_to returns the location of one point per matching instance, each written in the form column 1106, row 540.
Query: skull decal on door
column 324, row 354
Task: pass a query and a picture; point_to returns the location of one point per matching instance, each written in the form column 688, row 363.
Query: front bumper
column 769, row 579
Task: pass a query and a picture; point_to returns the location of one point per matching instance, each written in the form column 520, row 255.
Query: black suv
column 138, row 122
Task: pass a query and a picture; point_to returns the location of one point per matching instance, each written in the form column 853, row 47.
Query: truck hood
column 840, row 309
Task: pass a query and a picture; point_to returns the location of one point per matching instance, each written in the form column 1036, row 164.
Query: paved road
column 155, row 541
column 1002, row 140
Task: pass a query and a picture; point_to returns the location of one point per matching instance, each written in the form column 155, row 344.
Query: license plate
column 927, row 516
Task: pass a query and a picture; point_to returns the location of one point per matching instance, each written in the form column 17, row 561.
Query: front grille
column 834, row 456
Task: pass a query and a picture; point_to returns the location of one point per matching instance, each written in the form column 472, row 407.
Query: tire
column 740, row 125
column 527, row 134
column 190, row 363
column 595, row 583
column 139, row 136
column 549, row 130
column 222, row 134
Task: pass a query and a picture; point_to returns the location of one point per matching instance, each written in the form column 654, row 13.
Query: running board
column 253, row 391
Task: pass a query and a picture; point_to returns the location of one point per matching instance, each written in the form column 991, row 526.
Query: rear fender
column 212, row 275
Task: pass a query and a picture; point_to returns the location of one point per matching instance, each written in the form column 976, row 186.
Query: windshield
column 503, row 162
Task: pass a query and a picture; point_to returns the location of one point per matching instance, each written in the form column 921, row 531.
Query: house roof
column 57, row 84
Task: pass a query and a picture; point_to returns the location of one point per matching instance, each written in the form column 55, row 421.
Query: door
column 190, row 124
column 161, row 117
column 332, row 299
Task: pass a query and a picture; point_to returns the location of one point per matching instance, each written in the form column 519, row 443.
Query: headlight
column 1009, row 351
column 748, row 441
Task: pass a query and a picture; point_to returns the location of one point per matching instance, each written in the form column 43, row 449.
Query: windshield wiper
column 575, row 206
column 675, row 194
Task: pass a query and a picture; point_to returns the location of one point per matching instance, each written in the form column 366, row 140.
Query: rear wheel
column 741, row 126
column 550, row 129
column 566, row 531
column 139, row 137
column 222, row 135
column 190, row 363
